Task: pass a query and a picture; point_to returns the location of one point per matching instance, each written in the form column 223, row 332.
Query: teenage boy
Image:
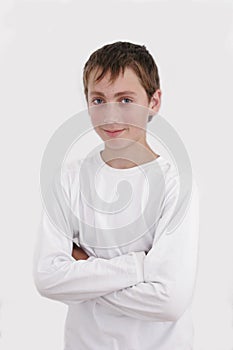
column 135, row 291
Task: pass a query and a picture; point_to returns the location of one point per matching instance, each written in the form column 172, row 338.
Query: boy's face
column 117, row 115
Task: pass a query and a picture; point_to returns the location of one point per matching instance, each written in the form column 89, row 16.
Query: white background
column 43, row 46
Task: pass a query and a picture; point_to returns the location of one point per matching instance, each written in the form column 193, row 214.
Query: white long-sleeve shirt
column 134, row 292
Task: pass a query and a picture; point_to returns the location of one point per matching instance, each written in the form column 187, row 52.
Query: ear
column 155, row 102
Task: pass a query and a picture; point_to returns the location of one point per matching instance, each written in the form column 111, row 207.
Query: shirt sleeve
column 169, row 268
column 57, row 275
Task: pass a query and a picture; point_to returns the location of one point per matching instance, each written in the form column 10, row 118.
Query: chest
column 118, row 215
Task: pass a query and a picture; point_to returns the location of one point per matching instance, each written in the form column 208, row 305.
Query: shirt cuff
column 91, row 258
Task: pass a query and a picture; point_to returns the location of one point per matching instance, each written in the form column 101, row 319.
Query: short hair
column 115, row 57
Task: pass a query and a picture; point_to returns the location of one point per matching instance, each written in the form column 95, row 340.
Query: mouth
column 113, row 133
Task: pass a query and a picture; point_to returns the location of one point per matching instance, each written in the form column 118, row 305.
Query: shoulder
column 72, row 171
column 180, row 186
column 170, row 173
column 178, row 176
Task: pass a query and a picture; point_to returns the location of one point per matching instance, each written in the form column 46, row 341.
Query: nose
column 111, row 113
column 107, row 113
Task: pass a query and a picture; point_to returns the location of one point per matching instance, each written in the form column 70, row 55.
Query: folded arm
column 56, row 272
column 169, row 269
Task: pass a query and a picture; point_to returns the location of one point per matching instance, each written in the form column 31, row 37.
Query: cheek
column 136, row 116
column 96, row 117
column 136, row 123
column 135, row 133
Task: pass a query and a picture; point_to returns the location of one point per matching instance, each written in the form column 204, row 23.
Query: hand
column 78, row 253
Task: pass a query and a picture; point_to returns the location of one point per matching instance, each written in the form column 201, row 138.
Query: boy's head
column 115, row 58
column 126, row 73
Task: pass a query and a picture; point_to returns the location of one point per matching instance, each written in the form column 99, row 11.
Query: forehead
column 127, row 81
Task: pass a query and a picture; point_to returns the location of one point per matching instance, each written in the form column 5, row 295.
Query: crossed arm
column 157, row 286
column 169, row 273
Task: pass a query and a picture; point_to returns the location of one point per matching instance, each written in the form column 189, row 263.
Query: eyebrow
column 121, row 93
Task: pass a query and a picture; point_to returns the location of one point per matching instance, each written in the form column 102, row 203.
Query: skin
column 125, row 90
column 78, row 253
column 130, row 148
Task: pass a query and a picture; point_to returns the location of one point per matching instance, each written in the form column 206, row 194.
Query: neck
column 128, row 157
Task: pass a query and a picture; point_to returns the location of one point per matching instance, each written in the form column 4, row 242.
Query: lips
column 113, row 133
column 113, row 130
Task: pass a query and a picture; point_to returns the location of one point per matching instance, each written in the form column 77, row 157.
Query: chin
column 115, row 144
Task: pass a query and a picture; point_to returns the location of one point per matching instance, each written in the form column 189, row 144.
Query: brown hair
column 116, row 57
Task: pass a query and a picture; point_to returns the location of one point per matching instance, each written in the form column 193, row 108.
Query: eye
column 97, row 101
column 126, row 100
